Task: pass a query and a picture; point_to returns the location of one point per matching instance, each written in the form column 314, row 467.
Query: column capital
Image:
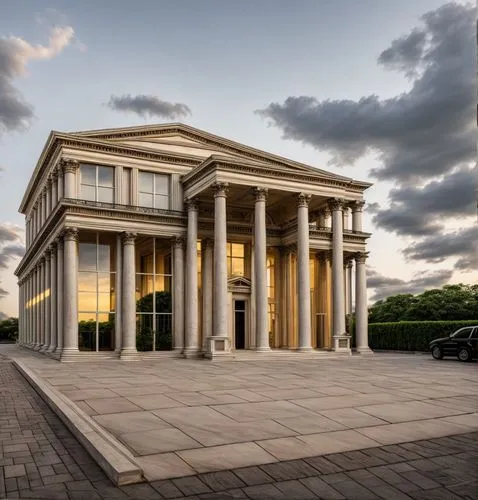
column 325, row 256
column 70, row 234
column 52, row 246
column 41, row 261
column 336, row 204
column 68, row 165
column 260, row 193
column 49, row 181
column 192, row 203
column 361, row 257
column 44, row 191
column 128, row 238
column 207, row 243
column 303, row 199
column 59, row 242
column 54, row 175
column 48, row 254
column 179, row 242
column 356, row 206
column 220, row 189
column 348, row 262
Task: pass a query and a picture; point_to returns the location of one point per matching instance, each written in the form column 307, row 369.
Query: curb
column 114, row 458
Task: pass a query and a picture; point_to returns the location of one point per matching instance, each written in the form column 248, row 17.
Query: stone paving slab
column 39, row 458
column 187, row 413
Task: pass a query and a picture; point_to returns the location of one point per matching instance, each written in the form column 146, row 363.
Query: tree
column 9, row 329
column 450, row 303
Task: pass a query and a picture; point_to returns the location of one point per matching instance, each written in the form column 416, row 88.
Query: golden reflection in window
column 235, row 259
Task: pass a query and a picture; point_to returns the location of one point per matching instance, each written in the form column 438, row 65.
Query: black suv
column 463, row 343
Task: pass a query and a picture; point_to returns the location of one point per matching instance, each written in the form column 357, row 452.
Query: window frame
column 154, row 193
column 97, row 185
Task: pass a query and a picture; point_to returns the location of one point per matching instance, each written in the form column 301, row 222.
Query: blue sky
column 226, row 59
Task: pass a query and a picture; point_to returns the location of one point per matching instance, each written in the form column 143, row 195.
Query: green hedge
column 411, row 335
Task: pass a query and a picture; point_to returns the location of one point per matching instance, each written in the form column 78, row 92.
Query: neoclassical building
column 167, row 238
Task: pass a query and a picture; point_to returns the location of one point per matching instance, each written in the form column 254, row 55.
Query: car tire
column 437, row 353
column 464, row 354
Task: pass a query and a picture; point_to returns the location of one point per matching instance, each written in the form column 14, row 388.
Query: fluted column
column 357, row 207
column 303, row 274
column 128, row 348
column 53, row 299
column 260, row 269
column 35, row 220
column 191, row 337
column 207, row 289
column 44, row 205
column 60, row 325
column 60, row 183
column 42, row 303
column 70, row 318
column 36, row 344
column 361, row 309
column 47, row 301
column 30, row 312
column 179, row 304
column 338, row 328
column 20, row 311
column 119, row 294
column 69, row 169
column 48, row 197
column 27, row 310
column 54, row 189
column 220, row 261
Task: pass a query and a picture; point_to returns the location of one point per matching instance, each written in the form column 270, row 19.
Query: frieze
column 201, row 173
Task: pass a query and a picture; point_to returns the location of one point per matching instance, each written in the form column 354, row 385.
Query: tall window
column 235, row 259
column 96, row 291
column 153, row 294
column 97, row 183
column 153, row 190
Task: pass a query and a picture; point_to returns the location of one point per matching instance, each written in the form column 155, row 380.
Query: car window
column 475, row 334
column 464, row 333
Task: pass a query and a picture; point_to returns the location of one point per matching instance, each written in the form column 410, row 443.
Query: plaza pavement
column 186, row 417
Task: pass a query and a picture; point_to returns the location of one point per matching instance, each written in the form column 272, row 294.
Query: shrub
column 411, row 335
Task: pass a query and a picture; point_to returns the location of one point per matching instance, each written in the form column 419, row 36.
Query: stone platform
column 176, row 417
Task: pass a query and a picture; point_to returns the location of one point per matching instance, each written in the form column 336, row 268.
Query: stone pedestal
column 218, row 347
column 341, row 343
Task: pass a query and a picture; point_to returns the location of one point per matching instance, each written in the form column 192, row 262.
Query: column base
column 36, row 347
column 51, row 349
column 305, row 349
column 191, row 352
column 262, row 348
column 69, row 354
column 364, row 350
column 129, row 354
column 178, row 351
column 341, row 343
column 43, row 348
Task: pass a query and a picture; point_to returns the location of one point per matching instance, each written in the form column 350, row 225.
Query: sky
column 381, row 91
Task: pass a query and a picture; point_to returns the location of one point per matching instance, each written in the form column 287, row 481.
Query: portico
column 198, row 246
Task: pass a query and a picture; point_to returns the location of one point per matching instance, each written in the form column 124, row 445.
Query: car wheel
column 464, row 354
column 437, row 352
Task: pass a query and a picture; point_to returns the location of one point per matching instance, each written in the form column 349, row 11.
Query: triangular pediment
column 239, row 282
column 186, row 140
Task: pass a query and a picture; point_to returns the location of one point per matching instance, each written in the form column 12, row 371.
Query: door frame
column 247, row 318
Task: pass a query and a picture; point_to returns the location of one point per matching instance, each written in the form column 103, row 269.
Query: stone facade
column 168, row 238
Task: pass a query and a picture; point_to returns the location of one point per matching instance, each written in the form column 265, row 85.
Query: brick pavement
column 39, row 458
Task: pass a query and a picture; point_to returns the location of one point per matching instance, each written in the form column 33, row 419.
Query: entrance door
column 240, row 323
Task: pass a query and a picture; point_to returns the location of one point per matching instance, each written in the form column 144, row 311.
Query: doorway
column 240, row 324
